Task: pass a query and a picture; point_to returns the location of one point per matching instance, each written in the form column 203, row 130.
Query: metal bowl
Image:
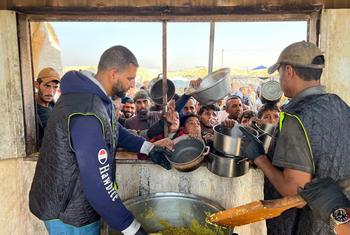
column 176, row 209
column 215, row 86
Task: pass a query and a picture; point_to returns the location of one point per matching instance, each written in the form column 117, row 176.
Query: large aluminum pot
column 153, row 211
column 189, row 154
column 227, row 166
column 215, row 86
column 227, row 140
column 156, row 90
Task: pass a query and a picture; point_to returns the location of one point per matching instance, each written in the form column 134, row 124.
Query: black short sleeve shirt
column 292, row 150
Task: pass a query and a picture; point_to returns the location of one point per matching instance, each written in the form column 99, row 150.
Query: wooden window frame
column 24, row 37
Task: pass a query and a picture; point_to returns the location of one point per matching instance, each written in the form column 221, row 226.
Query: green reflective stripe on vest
column 282, row 116
column 103, row 132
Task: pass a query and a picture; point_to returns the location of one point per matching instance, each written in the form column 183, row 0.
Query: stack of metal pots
column 226, row 159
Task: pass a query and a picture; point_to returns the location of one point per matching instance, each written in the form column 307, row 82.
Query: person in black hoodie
column 74, row 182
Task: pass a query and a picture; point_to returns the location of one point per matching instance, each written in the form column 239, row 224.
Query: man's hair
column 189, row 116
column 233, row 97
column 308, row 74
column 207, row 107
column 248, row 114
column 118, row 57
column 267, row 107
column 129, row 100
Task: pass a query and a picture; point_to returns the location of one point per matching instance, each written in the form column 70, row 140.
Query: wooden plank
column 12, row 142
column 313, row 28
column 159, row 18
column 82, row 5
column 171, row 11
column 27, row 83
column 171, row 3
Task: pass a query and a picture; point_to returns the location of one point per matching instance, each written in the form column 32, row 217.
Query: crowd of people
column 74, row 182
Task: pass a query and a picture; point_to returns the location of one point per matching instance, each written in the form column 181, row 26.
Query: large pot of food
column 175, row 213
column 215, row 86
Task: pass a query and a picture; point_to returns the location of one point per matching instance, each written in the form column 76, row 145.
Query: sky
column 243, row 45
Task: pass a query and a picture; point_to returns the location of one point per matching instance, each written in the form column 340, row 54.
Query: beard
column 117, row 90
column 128, row 114
column 143, row 114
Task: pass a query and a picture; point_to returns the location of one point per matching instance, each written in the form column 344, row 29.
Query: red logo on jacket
column 102, row 156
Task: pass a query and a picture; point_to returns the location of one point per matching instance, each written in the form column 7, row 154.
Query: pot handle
column 206, row 151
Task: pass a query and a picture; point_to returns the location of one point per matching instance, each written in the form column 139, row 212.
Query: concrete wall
column 335, row 42
column 228, row 192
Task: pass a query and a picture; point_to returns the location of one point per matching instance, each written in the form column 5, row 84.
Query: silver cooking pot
column 188, row 155
column 215, row 86
column 227, row 166
column 156, row 90
column 228, row 140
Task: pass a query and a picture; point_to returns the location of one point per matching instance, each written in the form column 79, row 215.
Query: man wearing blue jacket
column 74, row 182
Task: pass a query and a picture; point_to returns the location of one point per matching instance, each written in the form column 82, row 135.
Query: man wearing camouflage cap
column 311, row 141
column 46, row 85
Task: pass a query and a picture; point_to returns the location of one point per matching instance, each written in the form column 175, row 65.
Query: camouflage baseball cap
column 300, row 54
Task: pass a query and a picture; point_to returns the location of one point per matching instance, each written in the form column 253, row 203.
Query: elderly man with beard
column 74, row 182
column 144, row 118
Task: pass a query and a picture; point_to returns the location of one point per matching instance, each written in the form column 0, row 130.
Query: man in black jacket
column 74, row 182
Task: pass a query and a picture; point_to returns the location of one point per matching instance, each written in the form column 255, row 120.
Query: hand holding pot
column 229, row 123
column 252, row 147
column 158, row 155
column 165, row 143
column 195, row 83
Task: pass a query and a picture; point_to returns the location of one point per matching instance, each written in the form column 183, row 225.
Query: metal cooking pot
column 266, row 132
column 155, row 210
column 189, row 154
column 227, row 166
column 228, row 140
column 156, row 90
column 215, row 86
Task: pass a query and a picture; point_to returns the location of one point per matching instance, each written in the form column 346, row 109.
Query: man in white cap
column 312, row 140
